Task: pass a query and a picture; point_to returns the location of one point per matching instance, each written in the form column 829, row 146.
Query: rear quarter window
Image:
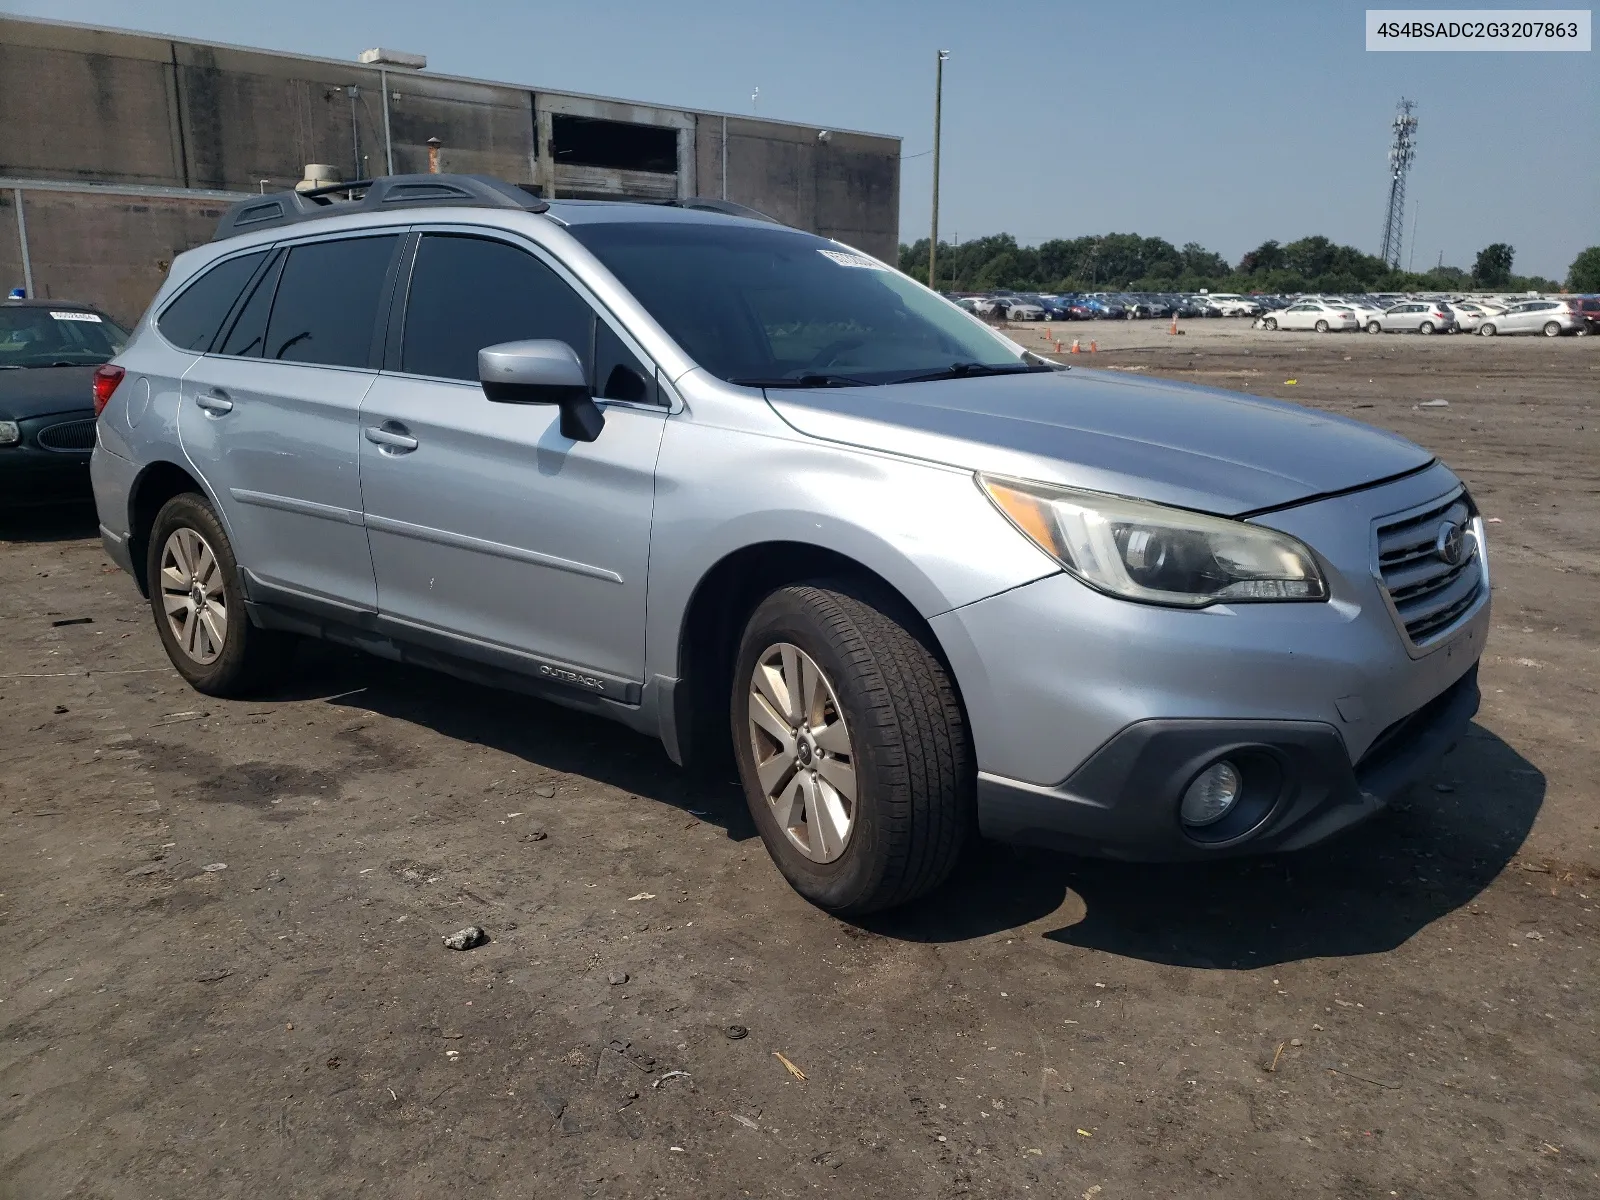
column 191, row 321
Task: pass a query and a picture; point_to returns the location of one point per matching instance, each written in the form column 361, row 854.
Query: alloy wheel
column 804, row 758
column 193, row 597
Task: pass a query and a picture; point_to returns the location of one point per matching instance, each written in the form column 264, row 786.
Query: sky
column 1226, row 123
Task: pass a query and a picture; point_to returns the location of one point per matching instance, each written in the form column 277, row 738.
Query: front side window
column 326, row 306
column 468, row 293
column 774, row 307
column 191, row 321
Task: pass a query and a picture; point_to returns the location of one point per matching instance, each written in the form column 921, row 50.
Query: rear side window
column 249, row 330
column 191, row 321
column 326, row 306
column 468, row 293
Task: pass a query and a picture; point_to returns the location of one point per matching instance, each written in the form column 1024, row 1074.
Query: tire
column 1321, row 327
column 1486, row 329
column 1271, row 322
column 887, row 712
column 1552, row 329
column 1425, row 328
column 1374, row 327
column 219, row 652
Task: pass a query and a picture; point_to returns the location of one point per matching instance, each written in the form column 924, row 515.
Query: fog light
column 1212, row 794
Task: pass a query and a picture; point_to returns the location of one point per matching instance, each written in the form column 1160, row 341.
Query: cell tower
column 1401, row 151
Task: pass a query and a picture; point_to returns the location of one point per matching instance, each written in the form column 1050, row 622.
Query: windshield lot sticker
column 852, row 260
column 75, row 316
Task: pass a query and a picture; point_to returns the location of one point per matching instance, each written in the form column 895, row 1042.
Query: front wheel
column 1321, row 327
column 852, row 747
column 198, row 606
column 1271, row 322
column 1552, row 329
column 1487, row 329
column 1374, row 327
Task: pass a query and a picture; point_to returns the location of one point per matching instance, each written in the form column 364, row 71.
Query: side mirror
column 542, row 372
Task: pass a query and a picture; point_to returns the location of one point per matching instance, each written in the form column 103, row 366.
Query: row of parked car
column 1551, row 316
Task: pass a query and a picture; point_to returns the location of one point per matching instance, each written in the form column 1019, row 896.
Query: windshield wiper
column 801, row 381
column 969, row 370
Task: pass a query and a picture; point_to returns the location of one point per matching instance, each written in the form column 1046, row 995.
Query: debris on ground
column 745, row 1121
column 643, row 896
column 735, row 1032
column 789, row 1066
column 1434, row 403
column 213, row 868
column 617, row 978
column 466, row 939
column 545, row 790
column 669, row 1075
column 72, row 621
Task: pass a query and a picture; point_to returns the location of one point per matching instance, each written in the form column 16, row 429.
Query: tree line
column 1129, row 262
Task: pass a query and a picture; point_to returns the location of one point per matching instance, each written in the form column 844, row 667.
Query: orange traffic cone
column 1075, row 349
column 1094, row 348
column 1174, row 323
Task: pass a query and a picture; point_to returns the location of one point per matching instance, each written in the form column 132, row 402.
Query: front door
column 272, row 418
column 493, row 535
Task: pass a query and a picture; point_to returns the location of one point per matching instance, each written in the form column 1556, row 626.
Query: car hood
column 1195, row 447
column 40, row 391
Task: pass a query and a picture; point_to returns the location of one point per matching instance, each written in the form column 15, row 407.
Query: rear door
column 493, row 535
column 271, row 418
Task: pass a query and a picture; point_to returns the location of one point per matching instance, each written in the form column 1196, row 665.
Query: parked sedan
column 1472, row 313
column 1016, row 308
column 50, row 354
column 1416, row 316
column 1549, row 317
column 1314, row 314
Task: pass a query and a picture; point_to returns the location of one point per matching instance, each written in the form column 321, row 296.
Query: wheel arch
column 156, row 483
column 714, row 618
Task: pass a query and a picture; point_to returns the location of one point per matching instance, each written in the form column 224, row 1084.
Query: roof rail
column 378, row 195
column 726, row 207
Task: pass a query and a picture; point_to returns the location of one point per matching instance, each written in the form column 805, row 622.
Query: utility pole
column 938, row 114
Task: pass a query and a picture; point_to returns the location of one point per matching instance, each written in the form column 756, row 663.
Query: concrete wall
column 847, row 187
column 108, row 107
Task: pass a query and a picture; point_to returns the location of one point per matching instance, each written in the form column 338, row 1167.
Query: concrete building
column 120, row 150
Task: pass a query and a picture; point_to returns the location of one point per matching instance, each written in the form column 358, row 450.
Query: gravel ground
column 224, row 973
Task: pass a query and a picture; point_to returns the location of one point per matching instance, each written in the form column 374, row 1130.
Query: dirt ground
column 223, row 974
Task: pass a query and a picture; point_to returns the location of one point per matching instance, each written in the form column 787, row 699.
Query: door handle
column 215, row 402
column 391, row 438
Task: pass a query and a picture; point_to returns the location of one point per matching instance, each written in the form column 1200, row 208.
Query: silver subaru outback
column 752, row 492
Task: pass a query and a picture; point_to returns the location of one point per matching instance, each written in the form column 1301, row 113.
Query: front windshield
column 776, row 307
column 57, row 337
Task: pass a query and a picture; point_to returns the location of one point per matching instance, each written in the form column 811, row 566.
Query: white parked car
column 1549, row 317
column 1472, row 313
column 1230, row 304
column 1414, row 316
column 1021, row 310
column 1314, row 314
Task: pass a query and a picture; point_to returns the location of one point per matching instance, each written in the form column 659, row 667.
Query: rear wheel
column 1487, row 329
column 1374, row 327
column 1321, row 327
column 1425, row 327
column 1552, row 329
column 198, row 605
column 852, row 747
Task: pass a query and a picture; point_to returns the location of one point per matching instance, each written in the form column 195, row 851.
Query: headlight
column 10, row 435
column 1143, row 551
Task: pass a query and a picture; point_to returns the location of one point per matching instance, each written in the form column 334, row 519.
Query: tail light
column 106, row 378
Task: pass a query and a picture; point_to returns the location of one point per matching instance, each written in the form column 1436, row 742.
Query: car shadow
column 540, row 733
column 1366, row 892
column 68, row 522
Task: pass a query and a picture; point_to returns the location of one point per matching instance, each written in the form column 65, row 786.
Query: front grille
column 1429, row 595
column 68, row 436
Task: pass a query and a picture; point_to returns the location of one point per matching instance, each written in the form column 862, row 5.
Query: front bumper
column 1122, row 803
column 1090, row 715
